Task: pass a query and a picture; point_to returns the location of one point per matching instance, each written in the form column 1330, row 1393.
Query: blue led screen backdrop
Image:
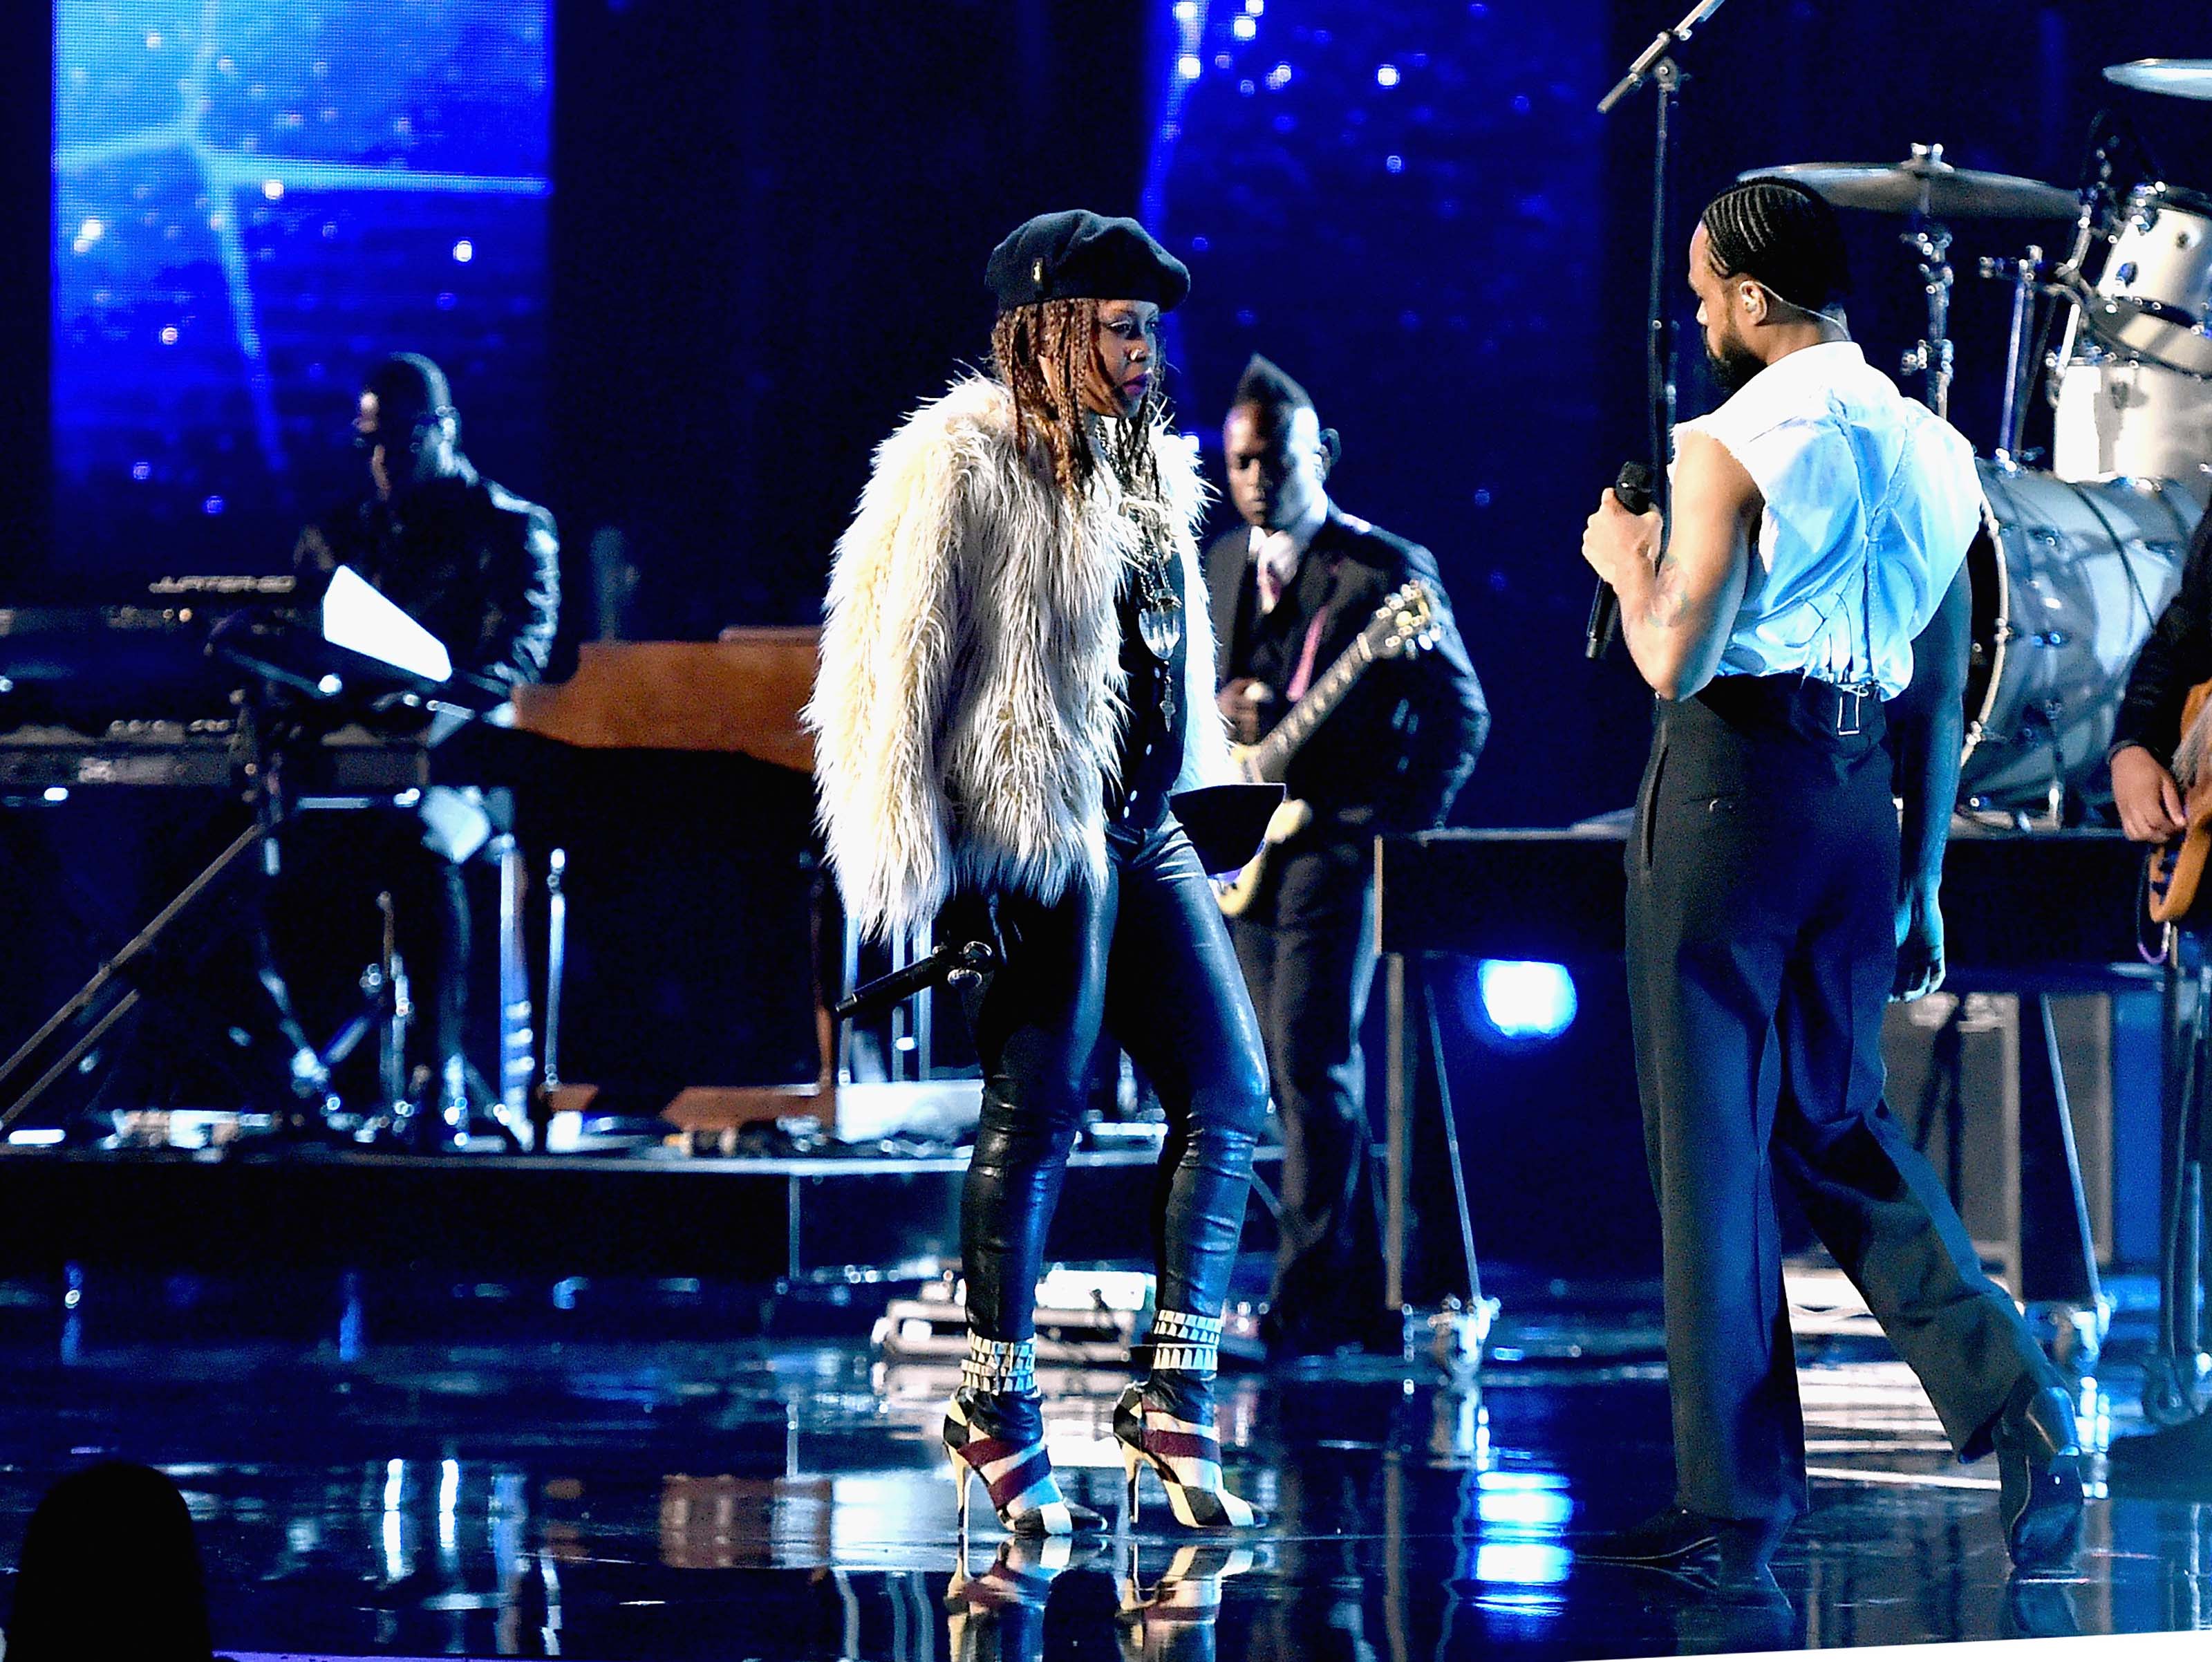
column 251, row 202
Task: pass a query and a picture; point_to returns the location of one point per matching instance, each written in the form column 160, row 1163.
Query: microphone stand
column 1655, row 65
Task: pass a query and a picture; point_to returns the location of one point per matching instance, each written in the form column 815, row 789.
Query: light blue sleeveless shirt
column 1870, row 501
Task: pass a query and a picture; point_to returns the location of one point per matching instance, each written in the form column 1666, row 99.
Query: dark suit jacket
column 2175, row 658
column 1397, row 752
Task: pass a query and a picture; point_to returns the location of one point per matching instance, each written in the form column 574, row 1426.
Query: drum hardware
column 2024, row 277
column 1930, row 355
column 1931, row 192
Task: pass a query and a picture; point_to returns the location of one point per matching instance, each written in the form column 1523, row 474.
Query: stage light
column 1386, row 75
column 1245, row 28
column 1547, row 1510
column 465, row 251
column 1524, row 999
column 1525, row 1563
column 1189, row 67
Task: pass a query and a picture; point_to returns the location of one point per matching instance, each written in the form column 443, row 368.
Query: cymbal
column 1925, row 184
column 2176, row 77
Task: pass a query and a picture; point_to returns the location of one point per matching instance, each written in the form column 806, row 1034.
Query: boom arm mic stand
column 1655, row 66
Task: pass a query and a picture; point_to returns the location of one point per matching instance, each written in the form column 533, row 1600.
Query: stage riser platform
column 757, row 1221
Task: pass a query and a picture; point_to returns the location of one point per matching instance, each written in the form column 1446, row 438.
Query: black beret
column 1078, row 255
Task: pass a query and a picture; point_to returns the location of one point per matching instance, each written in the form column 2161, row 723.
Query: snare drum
column 2068, row 578
column 2135, row 399
column 2155, row 299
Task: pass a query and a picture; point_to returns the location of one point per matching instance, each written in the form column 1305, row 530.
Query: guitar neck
column 1271, row 758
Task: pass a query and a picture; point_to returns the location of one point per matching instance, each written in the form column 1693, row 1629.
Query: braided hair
column 1046, row 354
column 1783, row 237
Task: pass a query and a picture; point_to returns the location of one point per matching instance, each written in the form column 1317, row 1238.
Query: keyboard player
column 478, row 568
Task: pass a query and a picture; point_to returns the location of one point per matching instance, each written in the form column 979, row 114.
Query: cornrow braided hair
column 1784, row 237
column 1047, row 355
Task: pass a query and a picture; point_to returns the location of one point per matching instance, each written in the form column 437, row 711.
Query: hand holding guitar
column 1244, row 704
column 1405, row 624
column 2148, row 799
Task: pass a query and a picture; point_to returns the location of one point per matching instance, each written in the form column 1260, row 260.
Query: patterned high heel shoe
column 994, row 1429
column 1176, row 1436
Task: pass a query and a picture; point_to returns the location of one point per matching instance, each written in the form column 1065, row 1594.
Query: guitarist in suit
column 1293, row 585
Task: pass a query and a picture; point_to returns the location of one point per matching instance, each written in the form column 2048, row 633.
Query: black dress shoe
column 1733, row 1551
column 2038, row 1449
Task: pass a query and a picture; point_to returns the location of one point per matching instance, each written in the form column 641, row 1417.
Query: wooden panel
column 742, row 693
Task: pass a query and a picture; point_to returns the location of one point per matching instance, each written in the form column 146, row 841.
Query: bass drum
column 2068, row 578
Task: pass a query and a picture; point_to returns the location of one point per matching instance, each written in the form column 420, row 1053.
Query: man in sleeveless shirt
column 1820, row 521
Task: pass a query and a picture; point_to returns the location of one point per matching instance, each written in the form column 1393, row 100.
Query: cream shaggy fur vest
column 970, row 700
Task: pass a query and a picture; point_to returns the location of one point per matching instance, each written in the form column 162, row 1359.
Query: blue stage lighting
column 1526, row 1000
column 249, row 198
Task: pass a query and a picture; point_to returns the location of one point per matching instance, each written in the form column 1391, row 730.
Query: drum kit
column 2074, row 562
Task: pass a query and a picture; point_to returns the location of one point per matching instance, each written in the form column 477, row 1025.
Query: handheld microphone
column 1633, row 490
column 953, row 962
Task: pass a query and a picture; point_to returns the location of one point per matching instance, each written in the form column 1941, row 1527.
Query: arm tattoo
column 1669, row 601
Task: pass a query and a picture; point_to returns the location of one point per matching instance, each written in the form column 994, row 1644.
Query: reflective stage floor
column 639, row 1469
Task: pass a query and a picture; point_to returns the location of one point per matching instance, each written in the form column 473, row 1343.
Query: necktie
column 1279, row 561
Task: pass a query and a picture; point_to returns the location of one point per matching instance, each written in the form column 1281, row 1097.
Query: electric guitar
column 2177, row 891
column 1408, row 622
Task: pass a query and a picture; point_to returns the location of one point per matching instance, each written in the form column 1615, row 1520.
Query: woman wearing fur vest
column 1016, row 673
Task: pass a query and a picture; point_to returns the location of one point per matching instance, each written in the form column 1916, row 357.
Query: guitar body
column 2178, row 893
column 1289, row 818
column 1405, row 624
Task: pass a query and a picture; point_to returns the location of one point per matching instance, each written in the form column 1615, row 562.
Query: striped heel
column 997, row 1434
column 1183, row 1453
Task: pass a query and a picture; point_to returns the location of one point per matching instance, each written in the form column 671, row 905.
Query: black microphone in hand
column 1632, row 489
column 950, row 964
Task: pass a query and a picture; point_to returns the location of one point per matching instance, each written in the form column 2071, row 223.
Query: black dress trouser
column 1762, row 893
column 1147, row 957
column 1308, row 952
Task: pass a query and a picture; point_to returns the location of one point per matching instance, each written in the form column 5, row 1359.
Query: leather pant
column 1147, row 957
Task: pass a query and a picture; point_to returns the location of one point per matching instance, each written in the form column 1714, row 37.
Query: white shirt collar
column 1297, row 538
